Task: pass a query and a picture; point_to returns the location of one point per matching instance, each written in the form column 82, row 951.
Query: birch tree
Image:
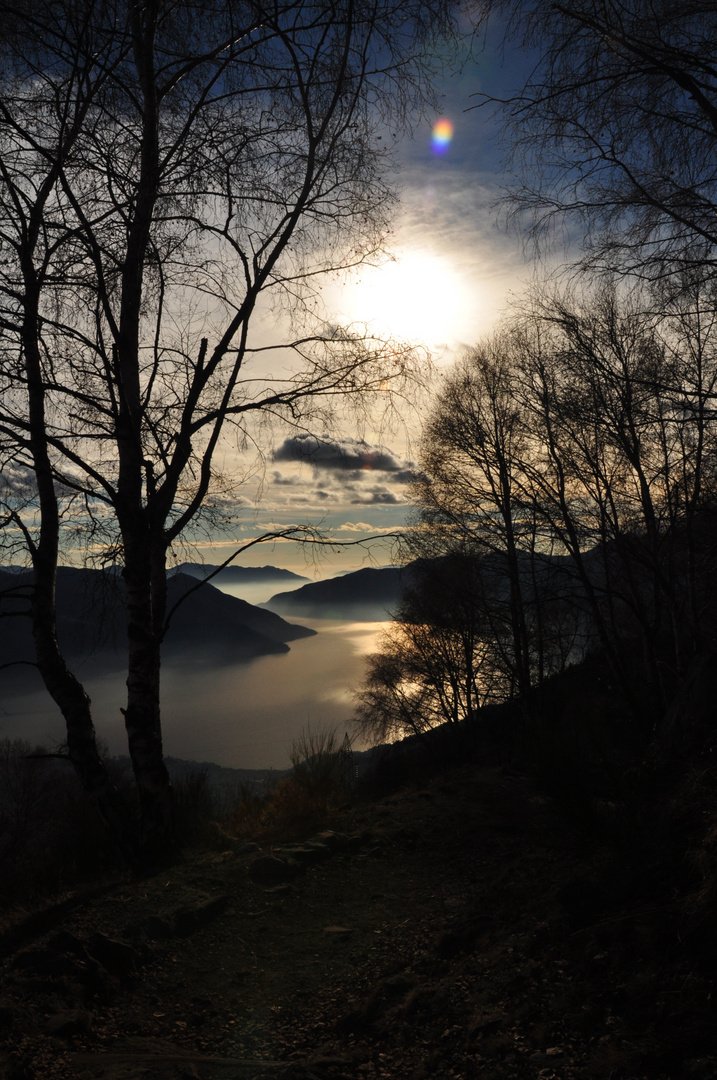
column 612, row 134
column 164, row 169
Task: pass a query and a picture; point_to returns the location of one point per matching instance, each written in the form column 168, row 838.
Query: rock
column 46, row 962
column 321, row 851
column 305, row 854
column 318, row 1068
column 158, row 927
column 399, row 985
column 247, row 848
column 116, row 956
column 269, row 870
column 65, row 942
column 190, row 917
column 278, row 890
column 375, row 852
column 442, row 995
column 68, row 1024
column 461, row 938
column 703, row 1068
column 334, row 840
column 192, row 914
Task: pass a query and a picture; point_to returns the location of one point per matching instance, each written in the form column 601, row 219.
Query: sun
column 417, row 297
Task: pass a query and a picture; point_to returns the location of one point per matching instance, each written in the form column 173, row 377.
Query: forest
column 565, row 489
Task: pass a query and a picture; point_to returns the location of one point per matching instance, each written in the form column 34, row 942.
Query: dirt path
column 431, row 938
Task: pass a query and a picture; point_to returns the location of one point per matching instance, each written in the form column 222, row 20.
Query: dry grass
column 304, row 800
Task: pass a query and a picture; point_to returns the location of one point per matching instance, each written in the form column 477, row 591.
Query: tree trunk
column 64, row 688
column 142, row 715
column 75, row 706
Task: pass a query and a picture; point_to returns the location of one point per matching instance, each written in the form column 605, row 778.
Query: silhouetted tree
column 470, row 484
column 614, row 131
column 616, row 398
column 164, row 169
column 571, row 459
column 435, row 663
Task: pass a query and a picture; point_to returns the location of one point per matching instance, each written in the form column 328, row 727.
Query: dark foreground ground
column 459, row 930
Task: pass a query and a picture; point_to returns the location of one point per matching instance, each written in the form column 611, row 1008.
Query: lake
column 243, row 715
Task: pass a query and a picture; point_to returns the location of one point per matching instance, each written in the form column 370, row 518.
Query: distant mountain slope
column 368, row 595
column 215, row 617
column 209, row 626
column 238, row 575
column 373, row 594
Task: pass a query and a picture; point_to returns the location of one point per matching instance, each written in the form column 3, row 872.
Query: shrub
column 318, row 784
column 195, row 807
column 248, row 816
column 50, row 836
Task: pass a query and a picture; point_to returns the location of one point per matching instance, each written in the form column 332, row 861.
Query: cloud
column 406, row 476
column 357, row 526
column 341, row 455
column 378, row 497
column 284, row 481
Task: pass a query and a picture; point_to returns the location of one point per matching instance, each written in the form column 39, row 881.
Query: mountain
column 208, row 627
column 225, row 623
column 238, row 575
column 366, row 595
column 372, row 594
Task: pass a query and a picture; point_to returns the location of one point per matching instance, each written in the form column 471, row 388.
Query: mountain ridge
column 366, row 595
column 236, row 575
column 208, row 625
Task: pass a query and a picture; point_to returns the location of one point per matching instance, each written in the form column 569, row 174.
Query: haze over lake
column 241, row 715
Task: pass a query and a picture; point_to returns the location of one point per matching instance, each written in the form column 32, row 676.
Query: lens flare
column 441, row 135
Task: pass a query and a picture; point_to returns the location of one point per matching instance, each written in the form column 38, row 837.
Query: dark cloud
column 405, row 476
column 378, row 498
column 283, row 481
column 341, row 455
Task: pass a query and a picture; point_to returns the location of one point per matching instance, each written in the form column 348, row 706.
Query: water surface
column 241, row 715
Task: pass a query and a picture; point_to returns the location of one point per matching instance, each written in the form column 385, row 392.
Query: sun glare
column 418, row 298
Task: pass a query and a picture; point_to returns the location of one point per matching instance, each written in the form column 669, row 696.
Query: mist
column 241, row 715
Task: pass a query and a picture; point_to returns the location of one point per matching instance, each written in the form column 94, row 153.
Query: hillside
column 209, row 625
column 366, row 595
column 373, row 593
column 458, row 930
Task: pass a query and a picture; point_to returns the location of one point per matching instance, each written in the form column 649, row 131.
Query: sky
column 450, row 273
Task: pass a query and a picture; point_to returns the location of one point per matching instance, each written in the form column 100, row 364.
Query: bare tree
column 570, row 459
column 615, row 127
column 615, row 394
column 435, row 663
column 164, row 169
column 470, row 485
